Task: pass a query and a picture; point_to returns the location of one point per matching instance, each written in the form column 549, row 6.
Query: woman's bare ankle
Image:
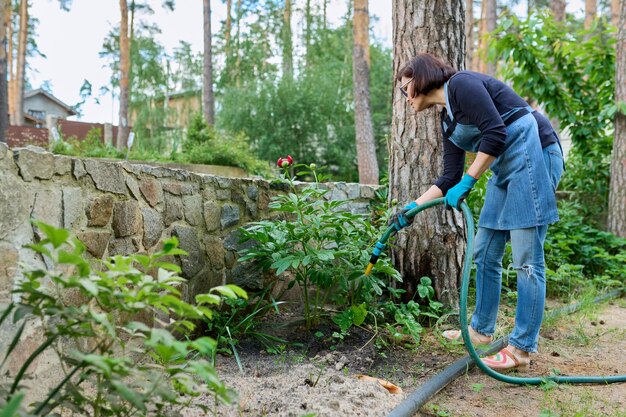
column 478, row 336
column 518, row 352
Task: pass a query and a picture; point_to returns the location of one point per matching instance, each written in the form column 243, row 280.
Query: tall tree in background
column 17, row 106
column 287, row 41
column 558, row 9
column 238, row 18
column 308, row 29
column 124, row 80
column 488, row 23
column 434, row 246
column 591, row 10
column 469, row 33
column 208, row 103
column 5, row 7
column 10, row 58
column 617, row 189
column 365, row 147
column 615, row 12
column 228, row 23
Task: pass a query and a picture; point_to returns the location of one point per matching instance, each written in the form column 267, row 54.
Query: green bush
column 579, row 256
column 325, row 250
column 92, row 146
column 206, row 145
column 320, row 246
column 117, row 365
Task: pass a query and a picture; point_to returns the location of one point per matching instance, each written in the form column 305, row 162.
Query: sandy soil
column 582, row 344
column 317, row 382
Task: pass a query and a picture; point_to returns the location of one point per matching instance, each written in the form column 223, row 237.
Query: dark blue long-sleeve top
column 478, row 99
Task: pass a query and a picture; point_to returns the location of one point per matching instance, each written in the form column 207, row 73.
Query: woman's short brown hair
column 428, row 73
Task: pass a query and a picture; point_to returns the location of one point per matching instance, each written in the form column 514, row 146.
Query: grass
column 568, row 402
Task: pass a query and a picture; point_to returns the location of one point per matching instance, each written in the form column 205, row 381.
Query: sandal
column 457, row 336
column 505, row 360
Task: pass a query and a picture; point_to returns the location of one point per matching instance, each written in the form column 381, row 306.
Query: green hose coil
column 467, row 265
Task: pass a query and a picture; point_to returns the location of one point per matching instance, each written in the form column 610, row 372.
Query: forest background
column 328, row 97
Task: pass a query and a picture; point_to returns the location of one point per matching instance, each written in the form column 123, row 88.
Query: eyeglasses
column 403, row 89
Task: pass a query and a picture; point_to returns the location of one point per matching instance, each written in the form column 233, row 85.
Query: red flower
column 285, row 162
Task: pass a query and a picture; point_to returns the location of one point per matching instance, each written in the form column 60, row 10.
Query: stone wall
column 118, row 208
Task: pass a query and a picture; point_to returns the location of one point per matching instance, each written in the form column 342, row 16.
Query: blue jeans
column 528, row 261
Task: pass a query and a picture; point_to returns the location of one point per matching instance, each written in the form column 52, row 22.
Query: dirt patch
column 583, row 344
column 311, row 380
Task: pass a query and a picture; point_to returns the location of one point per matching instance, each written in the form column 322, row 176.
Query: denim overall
column 520, row 202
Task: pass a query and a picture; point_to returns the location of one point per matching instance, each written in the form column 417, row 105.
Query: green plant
column 90, row 146
column 403, row 323
column 118, row 364
column 580, row 257
column 319, row 246
column 207, row 145
column 239, row 318
column 426, row 291
column 477, row 387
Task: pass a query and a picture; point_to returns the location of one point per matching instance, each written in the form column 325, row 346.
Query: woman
column 484, row 115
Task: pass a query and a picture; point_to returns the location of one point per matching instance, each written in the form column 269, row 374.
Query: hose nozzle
column 378, row 249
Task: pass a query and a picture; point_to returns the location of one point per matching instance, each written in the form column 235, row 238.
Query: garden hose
column 467, row 264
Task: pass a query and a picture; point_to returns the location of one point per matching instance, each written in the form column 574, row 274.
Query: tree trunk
column 591, row 7
column 558, row 10
column 287, row 41
column 615, row 4
column 123, row 129
column 4, row 87
column 365, row 147
column 476, row 64
column 228, row 25
column 10, row 60
column 435, row 245
column 238, row 60
column 308, row 19
column 488, row 22
column 617, row 189
column 325, row 7
column 208, row 104
column 20, row 71
column 469, row 32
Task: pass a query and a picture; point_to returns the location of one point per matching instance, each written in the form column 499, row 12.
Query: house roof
column 32, row 93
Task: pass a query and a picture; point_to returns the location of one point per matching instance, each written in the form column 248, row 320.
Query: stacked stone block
column 119, row 208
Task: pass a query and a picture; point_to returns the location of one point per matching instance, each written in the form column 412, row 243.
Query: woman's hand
column 458, row 193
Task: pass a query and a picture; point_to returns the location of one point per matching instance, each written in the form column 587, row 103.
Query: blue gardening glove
column 400, row 219
column 457, row 194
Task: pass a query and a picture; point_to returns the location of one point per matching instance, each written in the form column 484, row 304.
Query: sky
column 71, row 42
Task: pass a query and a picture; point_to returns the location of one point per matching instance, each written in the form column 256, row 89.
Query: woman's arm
column 478, row 168
column 480, row 164
column 432, row 193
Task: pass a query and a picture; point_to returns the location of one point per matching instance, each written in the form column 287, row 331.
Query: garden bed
column 316, row 378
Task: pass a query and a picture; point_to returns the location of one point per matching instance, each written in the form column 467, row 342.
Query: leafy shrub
column 579, row 256
column 119, row 366
column 319, row 246
column 91, row 146
column 206, row 145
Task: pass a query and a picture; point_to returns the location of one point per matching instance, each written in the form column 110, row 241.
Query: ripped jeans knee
column 530, row 271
